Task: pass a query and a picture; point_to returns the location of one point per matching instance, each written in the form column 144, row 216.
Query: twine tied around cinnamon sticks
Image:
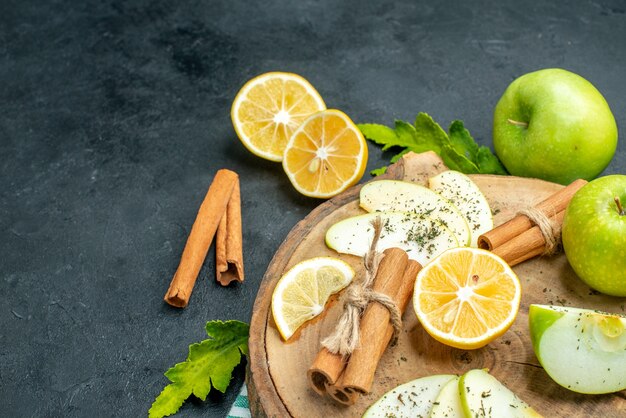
column 550, row 229
column 533, row 231
column 358, row 295
column 345, row 377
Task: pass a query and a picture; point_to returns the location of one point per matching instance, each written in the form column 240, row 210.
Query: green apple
column 482, row 395
column 423, row 238
column 448, row 402
column 554, row 125
column 412, row 399
column 581, row 349
column 402, row 196
column 594, row 234
column 465, row 195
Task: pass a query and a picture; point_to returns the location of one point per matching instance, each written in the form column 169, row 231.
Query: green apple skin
column 594, row 235
column 570, row 133
column 580, row 349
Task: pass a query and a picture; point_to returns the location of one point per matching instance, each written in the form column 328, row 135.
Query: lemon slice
column 269, row 108
column 326, row 155
column 302, row 292
column 466, row 297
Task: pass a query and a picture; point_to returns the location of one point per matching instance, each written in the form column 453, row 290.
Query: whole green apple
column 554, row 125
column 594, row 234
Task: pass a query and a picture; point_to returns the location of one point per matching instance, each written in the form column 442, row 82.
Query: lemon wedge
column 302, row 292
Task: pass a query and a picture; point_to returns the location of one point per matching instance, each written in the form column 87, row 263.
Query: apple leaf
column 210, row 363
column 458, row 150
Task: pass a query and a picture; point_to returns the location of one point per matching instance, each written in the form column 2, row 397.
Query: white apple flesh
column 448, row 402
column 409, row 400
column 482, row 395
column 465, row 195
column 581, row 349
column 402, row 196
column 423, row 238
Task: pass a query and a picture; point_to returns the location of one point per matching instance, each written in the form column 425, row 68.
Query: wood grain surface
column 277, row 369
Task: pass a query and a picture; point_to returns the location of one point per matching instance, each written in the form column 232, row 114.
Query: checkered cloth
column 241, row 407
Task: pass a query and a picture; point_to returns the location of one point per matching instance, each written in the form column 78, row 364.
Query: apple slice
column 581, row 349
column 448, row 402
column 465, row 194
column 402, row 196
column 412, row 399
column 482, row 395
column 423, row 238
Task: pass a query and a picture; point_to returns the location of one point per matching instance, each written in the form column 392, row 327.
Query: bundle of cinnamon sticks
column 531, row 232
column 219, row 213
column 344, row 379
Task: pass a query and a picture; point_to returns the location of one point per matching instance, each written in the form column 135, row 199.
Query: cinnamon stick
column 528, row 244
column 361, row 367
column 325, row 370
column 229, row 242
column 551, row 207
column 200, row 238
column 327, row 367
column 342, row 396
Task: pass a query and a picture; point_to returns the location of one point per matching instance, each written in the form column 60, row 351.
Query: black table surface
column 114, row 117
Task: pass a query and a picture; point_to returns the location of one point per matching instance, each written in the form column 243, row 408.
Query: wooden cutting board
column 277, row 370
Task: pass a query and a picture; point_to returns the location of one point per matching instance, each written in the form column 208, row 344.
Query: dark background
column 114, row 117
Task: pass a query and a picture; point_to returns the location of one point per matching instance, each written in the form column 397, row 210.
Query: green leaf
column 379, row 134
column 378, row 171
column 405, row 134
column 488, row 163
column 430, row 136
column 458, row 150
column 397, row 157
column 210, row 363
column 457, row 162
column 462, row 141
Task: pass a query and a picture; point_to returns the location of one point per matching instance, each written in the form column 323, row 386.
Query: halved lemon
column 269, row 108
column 325, row 155
column 466, row 297
column 302, row 292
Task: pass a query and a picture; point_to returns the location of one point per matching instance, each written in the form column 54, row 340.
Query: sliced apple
column 448, row 402
column 482, row 395
column 580, row 349
column 423, row 238
column 412, row 399
column 465, row 194
column 402, row 196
